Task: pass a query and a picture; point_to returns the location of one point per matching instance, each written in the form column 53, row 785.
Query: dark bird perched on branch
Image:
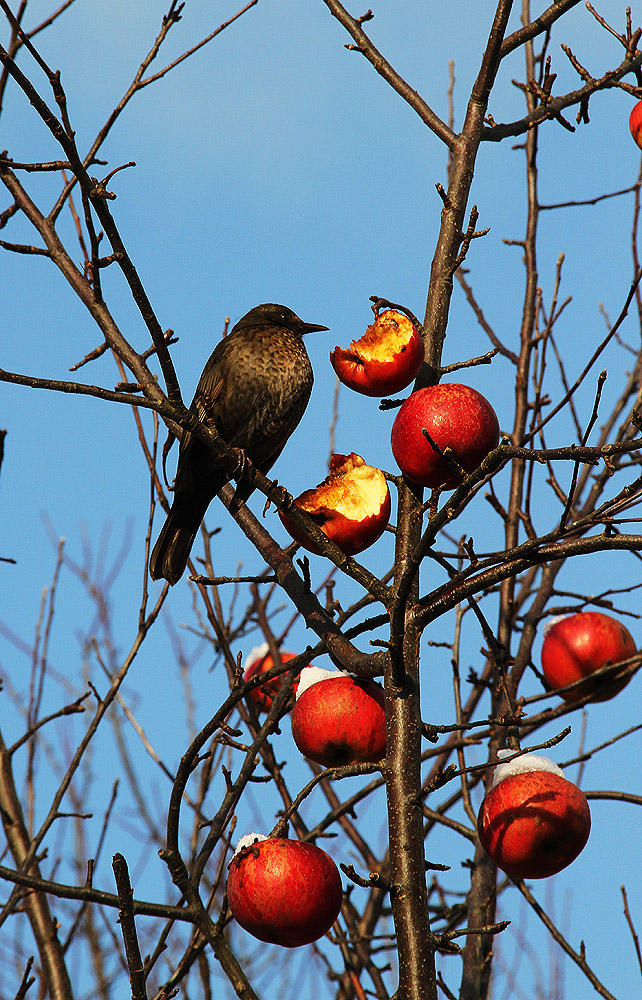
column 254, row 390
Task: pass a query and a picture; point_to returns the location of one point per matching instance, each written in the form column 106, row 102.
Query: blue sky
column 275, row 165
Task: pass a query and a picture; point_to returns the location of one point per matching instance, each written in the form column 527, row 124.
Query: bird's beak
column 313, row 327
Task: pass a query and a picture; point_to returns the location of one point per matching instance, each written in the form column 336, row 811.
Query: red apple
column 385, row 360
column 456, row 417
column 534, row 822
column 339, row 719
column 283, row 891
column 635, row 123
column 351, row 506
column 259, row 661
column 576, row 646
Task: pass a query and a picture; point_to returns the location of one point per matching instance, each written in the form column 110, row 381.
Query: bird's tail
column 174, row 544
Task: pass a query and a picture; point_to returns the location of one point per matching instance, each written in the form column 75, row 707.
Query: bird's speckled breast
column 266, row 387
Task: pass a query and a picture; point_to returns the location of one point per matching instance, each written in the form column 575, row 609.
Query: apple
column 456, row 417
column 283, row 891
column 259, row 661
column 635, row 123
column 351, row 506
column 385, row 360
column 339, row 719
column 533, row 822
column 576, row 646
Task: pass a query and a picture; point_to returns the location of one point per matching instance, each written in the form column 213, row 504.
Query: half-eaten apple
column 385, row 360
column 351, row 506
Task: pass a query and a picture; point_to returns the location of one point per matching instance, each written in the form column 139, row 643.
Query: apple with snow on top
column 533, row 822
column 351, row 506
column 259, row 661
column 635, row 123
column 457, row 418
column 576, row 646
column 339, row 719
column 385, row 360
column 283, row 891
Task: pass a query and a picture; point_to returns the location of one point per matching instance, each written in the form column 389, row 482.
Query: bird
column 253, row 390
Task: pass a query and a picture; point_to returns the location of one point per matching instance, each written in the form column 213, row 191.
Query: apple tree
column 470, row 580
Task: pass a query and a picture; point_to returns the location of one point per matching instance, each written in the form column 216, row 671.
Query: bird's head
column 270, row 312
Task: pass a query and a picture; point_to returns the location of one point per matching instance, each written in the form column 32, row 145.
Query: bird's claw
column 277, row 495
column 241, row 465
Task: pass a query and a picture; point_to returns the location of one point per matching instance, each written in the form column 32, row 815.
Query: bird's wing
column 204, row 407
column 209, row 388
